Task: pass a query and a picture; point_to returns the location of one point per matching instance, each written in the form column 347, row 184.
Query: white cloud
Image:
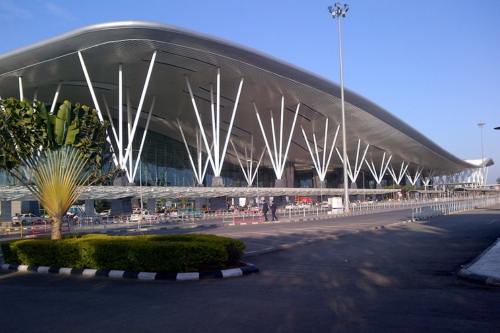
column 56, row 10
column 10, row 10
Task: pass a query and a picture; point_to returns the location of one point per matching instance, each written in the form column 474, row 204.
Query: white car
column 304, row 205
column 146, row 216
column 105, row 213
column 25, row 219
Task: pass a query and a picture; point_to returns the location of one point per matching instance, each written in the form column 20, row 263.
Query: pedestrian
column 273, row 211
column 265, row 208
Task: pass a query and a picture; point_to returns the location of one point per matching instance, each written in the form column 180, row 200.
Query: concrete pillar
column 199, row 202
column 89, row 207
column 279, row 183
column 30, row 206
column 16, row 208
column 217, row 182
column 6, row 209
column 121, row 206
column 318, row 183
column 266, row 178
column 289, row 174
column 151, row 205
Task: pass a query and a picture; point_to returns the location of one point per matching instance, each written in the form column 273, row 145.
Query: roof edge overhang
column 89, row 36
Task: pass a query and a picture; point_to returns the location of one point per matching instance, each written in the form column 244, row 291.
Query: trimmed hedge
column 145, row 253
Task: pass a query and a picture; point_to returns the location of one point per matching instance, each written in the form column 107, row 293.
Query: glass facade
column 165, row 162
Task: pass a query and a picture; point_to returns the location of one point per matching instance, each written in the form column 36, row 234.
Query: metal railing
column 421, row 209
column 442, row 208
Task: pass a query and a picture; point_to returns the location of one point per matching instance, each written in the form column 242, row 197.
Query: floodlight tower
column 337, row 12
column 482, row 154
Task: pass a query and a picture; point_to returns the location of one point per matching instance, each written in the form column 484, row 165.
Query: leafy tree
column 498, row 180
column 57, row 156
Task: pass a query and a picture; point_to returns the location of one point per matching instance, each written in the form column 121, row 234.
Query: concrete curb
column 157, row 276
column 469, row 274
column 478, row 278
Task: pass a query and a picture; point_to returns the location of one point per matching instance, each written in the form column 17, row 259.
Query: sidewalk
column 485, row 268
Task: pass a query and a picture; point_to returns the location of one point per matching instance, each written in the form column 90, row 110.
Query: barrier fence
column 443, row 208
column 44, row 228
column 420, row 210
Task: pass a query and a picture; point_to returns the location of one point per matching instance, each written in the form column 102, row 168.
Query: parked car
column 25, row 219
column 84, row 218
column 146, row 216
column 190, row 212
column 174, row 213
column 253, row 209
column 304, row 205
column 78, row 213
column 105, row 213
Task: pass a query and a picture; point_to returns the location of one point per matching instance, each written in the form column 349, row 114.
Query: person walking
column 265, row 208
column 273, row 211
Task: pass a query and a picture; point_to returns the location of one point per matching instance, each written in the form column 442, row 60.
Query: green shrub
column 153, row 253
column 234, row 247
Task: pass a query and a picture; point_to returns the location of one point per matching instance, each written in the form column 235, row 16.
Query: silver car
column 25, row 219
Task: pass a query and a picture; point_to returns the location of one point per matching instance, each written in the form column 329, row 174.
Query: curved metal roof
column 181, row 53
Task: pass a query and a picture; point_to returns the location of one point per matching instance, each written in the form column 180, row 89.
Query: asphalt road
column 400, row 278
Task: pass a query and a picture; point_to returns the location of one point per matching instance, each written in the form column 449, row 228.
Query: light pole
column 482, row 155
column 139, row 226
column 364, row 194
column 257, row 174
column 258, row 197
column 338, row 12
column 139, row 160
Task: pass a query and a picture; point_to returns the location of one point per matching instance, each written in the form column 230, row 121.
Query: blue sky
column 433, row 64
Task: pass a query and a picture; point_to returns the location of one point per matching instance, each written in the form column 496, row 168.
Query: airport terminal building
column 197, row 116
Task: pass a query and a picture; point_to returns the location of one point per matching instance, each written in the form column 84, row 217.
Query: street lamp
column 482, row 155
column 139, row 160
column 338, row 12
column 364, row 194
column 257, row 174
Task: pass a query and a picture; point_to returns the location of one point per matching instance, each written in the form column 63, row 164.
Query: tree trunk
column 56, row 227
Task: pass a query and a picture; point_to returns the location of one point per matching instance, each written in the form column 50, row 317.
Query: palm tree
column 56, row 156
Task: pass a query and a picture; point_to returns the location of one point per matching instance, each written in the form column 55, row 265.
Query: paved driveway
column 393, row 279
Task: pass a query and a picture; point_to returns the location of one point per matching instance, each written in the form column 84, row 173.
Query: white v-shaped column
column 353, row 175
column 426, row 180
column 321, row 164
column 383, row 168
column 215, row 156
column 402, row 171
column 439, row 183
column 138, row 113
column 124, row 160
column 21, row 89
column 199, row 170
column 249, row 172
column 278, row 159
column 96, row 103
column 414, row 179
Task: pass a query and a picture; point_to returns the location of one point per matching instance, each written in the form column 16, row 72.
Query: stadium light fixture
column 337, row 11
